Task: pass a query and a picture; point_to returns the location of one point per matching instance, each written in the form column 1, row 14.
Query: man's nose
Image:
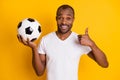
column 64, row 21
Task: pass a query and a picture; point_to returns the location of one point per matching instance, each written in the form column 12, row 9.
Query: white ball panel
column 34, row 25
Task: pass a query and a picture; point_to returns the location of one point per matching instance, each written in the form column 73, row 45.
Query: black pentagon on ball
column 28, row 30
column 19, row 25
column 31, row 20
column 39, row 29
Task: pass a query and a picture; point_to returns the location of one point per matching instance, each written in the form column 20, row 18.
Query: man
column 60, row 51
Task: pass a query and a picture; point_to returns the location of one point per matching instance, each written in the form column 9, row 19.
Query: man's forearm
column 99, row 56
column 37, row 63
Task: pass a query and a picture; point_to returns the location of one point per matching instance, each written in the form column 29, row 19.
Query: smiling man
column 60, row 51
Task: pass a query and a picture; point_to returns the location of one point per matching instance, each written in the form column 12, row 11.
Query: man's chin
column 64, row 32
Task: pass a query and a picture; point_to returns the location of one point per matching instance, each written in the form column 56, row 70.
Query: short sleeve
column 86, row 49
column 41, row 47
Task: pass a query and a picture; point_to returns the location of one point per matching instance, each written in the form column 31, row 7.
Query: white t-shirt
column 62, row 56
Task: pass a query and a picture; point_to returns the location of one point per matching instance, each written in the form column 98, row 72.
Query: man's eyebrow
column 67, row 14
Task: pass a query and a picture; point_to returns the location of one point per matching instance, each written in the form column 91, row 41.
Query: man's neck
column 63, row 36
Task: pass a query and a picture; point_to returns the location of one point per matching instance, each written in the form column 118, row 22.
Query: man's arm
column 96, row 54
column 38, row 60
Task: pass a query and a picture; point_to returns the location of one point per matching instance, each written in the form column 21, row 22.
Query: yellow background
column 101, row 16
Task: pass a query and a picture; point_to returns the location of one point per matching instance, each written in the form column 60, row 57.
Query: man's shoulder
column 74, row 34
column 49, row 35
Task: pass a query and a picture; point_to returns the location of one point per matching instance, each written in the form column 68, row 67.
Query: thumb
column 86, row 31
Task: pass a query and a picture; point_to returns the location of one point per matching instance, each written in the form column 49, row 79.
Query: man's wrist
column 92, row 44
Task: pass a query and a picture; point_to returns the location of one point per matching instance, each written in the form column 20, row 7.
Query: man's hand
column 85, row 39
column 27, row 43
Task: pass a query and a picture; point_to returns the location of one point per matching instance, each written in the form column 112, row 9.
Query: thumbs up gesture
column 85, row 39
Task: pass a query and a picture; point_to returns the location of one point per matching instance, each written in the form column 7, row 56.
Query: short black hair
column 65, row 6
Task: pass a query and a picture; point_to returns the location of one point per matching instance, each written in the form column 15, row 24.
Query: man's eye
column 68, row 18
column 59, row 18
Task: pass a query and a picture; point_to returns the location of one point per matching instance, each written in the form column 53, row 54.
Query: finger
column 23, row 41
column 28, row 41
column 79, row 37
column 86, row 31
column 18, row 36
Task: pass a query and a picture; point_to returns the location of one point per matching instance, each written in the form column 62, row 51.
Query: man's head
column 65, row 18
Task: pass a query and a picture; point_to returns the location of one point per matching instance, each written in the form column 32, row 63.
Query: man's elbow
column 105, row 65
column 39, row 73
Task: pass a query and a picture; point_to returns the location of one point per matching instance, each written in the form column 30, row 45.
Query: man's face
column 64, row 20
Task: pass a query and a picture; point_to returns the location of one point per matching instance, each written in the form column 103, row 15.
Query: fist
column 85, row 39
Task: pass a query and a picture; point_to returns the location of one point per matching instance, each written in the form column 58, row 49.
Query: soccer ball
column 29, row 28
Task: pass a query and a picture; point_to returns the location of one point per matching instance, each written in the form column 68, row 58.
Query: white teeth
column 64, row 27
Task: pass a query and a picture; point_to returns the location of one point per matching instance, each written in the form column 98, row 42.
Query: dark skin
column 65, row 19
column 96, row 54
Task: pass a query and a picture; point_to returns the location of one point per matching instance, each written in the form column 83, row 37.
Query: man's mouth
column 64, row 26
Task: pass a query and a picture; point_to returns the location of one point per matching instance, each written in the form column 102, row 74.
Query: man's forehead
column 67, row 11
